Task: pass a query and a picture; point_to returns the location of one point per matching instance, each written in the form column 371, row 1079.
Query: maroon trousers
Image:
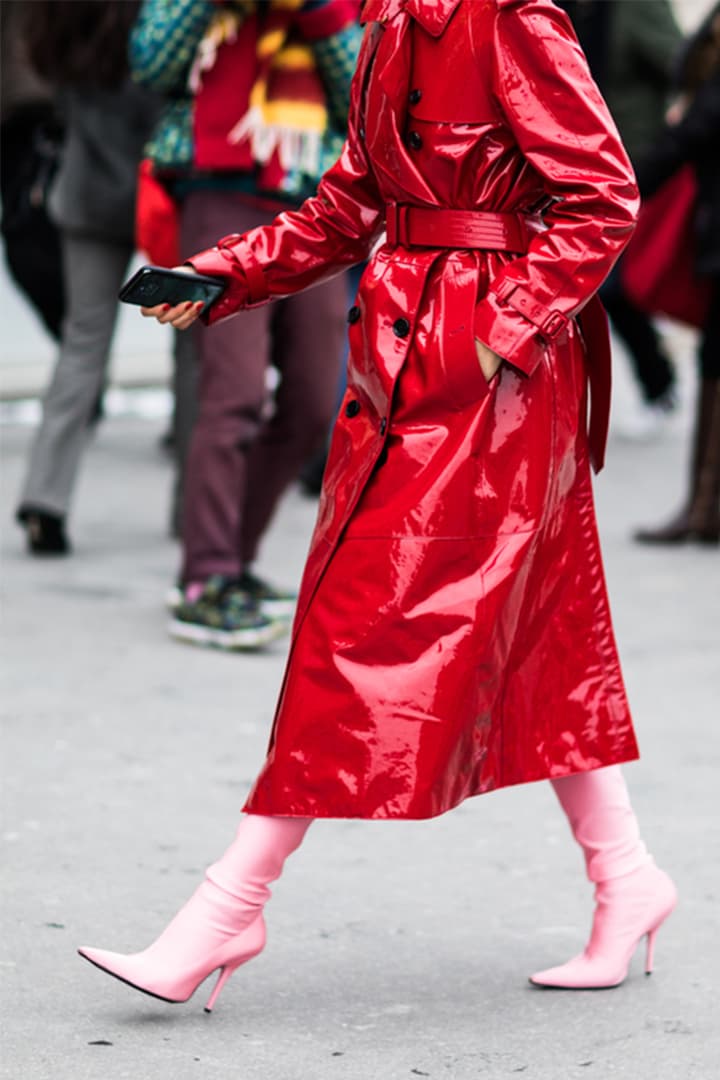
column 245, row 449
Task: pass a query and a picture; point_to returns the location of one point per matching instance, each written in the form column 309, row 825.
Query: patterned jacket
column 163, row 49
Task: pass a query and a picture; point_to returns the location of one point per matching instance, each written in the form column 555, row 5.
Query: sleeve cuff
column 507, row 334
column 245, row 282
column 515, row 326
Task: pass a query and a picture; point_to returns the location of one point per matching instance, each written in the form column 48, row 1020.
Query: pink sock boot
column 633, row 897
column 221, row 925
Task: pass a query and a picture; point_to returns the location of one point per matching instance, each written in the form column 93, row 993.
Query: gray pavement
column 396, row 950
column 141, row 354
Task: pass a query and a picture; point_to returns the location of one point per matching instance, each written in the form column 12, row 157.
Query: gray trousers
column 94, row 271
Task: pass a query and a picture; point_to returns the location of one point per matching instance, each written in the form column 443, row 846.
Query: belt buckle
column 554, row 324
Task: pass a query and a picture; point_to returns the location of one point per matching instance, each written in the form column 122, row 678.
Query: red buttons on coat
column 414, row 97
column 401, row 328
column 352, row 408
column 353, row 314
column 415, row 140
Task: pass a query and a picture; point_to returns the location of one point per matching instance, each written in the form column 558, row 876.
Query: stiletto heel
column 650, row 950
column 628, row 909
column 154, row 973
column 223, row 977
column 221, row 926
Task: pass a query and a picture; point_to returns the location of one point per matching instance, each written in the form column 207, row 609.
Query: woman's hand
column 181, row 316
column 489, row 361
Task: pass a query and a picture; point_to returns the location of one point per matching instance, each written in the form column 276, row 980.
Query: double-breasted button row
column 353, row 314
column 414, row 97
column 353, row 408
column 401, row 328
column 415, row 140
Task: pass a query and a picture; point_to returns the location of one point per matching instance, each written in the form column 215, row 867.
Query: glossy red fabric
column 453, row 632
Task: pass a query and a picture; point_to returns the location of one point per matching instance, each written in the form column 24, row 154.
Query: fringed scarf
column 259, row 100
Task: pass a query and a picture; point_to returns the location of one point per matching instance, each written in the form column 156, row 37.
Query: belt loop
column 403, row 226
column 396, row 224
column 391, row 223
column 524, row 231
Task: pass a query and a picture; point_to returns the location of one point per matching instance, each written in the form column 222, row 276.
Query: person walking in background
column 259, row 99
column 30, row 144
column 632, row 48
column 81, row 47
column 691, row 136
column 453, row 634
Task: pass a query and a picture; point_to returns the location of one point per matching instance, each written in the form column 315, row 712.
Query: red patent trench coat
column 453, row 633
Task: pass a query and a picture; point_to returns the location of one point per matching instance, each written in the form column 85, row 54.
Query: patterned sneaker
column 226, row 617
column 275, row 603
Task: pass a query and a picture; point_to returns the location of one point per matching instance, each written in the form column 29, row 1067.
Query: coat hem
column 620, row 759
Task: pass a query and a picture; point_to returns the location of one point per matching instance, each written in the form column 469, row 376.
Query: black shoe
column 667, row 401
column 683, row 529
column 45, row 531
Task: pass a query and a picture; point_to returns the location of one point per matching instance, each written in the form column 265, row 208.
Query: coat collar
column 433, row 15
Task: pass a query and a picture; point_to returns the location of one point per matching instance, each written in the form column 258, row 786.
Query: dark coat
column 94, row 191
column 632, row 47
column 696, row 139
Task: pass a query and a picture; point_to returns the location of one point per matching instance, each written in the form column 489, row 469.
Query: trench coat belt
column 424, row 226
column 441, row 227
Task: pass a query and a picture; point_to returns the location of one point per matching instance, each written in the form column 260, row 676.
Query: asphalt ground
column 396, row 950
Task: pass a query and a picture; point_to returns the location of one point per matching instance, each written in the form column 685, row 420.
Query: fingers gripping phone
column 153, row 285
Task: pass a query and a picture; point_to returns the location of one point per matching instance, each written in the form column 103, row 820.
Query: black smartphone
column 153, row 285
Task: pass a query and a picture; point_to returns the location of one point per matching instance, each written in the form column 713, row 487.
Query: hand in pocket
column 489, row 361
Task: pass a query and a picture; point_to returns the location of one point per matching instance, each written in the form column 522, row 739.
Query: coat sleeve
column 332, row 230
column 563, row 128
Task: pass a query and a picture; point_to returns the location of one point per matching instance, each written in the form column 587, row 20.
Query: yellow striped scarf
column 287, row 113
